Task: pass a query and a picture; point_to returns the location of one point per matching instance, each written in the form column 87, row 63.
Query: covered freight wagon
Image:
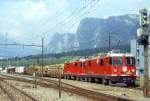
column 20, row 69
column 11, row 70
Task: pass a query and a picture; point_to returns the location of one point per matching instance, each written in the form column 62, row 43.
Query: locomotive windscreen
column 130, row 61
column 116, row 60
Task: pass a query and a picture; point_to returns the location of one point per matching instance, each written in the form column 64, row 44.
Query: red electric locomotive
column 107, row 69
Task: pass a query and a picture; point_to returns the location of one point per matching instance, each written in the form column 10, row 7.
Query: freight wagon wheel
column 105, row 81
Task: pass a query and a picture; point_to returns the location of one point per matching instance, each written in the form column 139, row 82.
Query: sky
column 26, row 21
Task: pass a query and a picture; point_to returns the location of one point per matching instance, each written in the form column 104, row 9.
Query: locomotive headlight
column 115, row 70
column 124, row 69
column 133, row 70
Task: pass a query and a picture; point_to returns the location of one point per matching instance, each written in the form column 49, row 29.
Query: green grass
column 140, row 81
column 46, row 61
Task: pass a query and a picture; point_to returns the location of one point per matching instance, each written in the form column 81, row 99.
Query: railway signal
column 143, row 35
column 143, row 30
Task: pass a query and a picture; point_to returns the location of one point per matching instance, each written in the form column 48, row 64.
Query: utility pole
column 109, row 42
column 42, row 54
column 28, row 45
column 60, row 85
column 143, row 40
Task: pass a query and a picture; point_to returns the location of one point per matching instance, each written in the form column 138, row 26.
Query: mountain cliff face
column 61, row 42
column 94, row 33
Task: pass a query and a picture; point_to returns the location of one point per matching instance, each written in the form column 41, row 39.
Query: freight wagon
column 11, row 70
column 20, row 70
column 49, row 70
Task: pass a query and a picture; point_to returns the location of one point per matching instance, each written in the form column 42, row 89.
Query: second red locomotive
column 108, row 68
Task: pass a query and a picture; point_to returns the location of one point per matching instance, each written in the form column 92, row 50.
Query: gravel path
column 112, row 90
column 3, row 96
column 47, row 94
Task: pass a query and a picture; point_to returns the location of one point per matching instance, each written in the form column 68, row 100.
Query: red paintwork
column 93, row 67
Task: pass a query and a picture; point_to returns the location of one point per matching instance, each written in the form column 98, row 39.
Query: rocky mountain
column 94, row 33
column 61, row 42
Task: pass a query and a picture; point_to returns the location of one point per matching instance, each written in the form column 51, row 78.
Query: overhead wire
column 81, row 15
column 68, row 18
column 75, row 11
column 74, row 15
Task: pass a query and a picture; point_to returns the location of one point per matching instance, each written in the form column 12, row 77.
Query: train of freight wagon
column 110, row 68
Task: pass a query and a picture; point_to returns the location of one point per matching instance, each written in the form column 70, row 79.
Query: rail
column 88, row 93
column 14, row 93
column 74, row 89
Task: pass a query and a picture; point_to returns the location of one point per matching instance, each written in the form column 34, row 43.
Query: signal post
column 143, row 40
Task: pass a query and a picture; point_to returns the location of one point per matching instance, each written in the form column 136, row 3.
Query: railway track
column 13, row 93
column 88, row 93
column 70, row 88
column 4, row 94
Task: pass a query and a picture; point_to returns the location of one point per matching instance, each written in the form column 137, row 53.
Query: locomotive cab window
column 89, row 63
column 110, row 60
column 130, row 61
column 82, row 64
column 75, row 64
column 107, row 62
column 116, row 60
column 101, row 62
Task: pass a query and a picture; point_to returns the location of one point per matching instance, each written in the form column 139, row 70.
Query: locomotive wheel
column 90, row 80
column 100, row 80
column 68, row 77
column 110, row 82
column 81, row 78
column 78, row 78
column 105, row 81
column 74, row 78
column 65, row 77
column 86, row 79
column 130, row 84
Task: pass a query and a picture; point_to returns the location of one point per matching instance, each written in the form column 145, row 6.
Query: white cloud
column 36, row 10
column 27, row 18
column 15, row 33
